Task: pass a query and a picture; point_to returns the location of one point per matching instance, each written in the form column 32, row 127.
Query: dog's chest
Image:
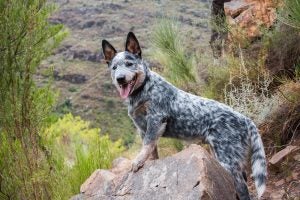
column 138, row 114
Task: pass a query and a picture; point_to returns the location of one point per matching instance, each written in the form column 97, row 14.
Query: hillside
column 81, row 78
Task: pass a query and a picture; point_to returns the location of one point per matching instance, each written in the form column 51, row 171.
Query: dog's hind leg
column 240, row 184
column 239, row 181
column 231, row 159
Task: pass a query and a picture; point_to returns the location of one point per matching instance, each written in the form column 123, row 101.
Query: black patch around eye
column 128, row 64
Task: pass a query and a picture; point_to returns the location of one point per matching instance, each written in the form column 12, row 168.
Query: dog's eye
column 114, row 67
column 128, row 64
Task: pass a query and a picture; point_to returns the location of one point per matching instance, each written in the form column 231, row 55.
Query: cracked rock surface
column 190, row 174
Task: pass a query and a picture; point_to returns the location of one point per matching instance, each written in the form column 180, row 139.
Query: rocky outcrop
column 251, row 15
column 189, row 174
column 74, row 52
column 71, row 78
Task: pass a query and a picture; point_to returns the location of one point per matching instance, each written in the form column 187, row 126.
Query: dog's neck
column 141, row 87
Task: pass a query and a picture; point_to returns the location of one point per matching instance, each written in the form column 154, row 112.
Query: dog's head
column 127, row 69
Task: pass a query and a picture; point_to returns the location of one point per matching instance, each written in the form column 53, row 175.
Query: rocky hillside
column 81, row 77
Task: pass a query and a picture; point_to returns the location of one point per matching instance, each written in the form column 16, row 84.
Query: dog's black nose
column 121, row 79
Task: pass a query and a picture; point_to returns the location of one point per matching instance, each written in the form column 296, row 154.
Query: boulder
column 251, row 15
column 190, row 174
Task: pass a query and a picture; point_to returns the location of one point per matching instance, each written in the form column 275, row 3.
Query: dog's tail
column 258, row 160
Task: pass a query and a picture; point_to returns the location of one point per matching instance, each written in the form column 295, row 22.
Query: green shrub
column 290, row 13
column 170, row 50
column 27, row 38
column 116, row 124
column 76, row 151
column 254, row 101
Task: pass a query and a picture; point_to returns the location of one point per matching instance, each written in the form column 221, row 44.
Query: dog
column 158, row 108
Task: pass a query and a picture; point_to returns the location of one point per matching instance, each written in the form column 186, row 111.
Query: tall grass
column 290, row 13
column 170, row 50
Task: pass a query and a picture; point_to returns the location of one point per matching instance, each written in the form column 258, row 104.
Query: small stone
column 289, row 179
column 277, row 194
column 297, row 157
column 295, row 175
column 279, row 183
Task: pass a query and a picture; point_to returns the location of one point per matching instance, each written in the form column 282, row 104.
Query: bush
column 254, row 101
column 76, row 151
column 290, row 13
column 231, row 70
column 170, row 51
column 26, row 39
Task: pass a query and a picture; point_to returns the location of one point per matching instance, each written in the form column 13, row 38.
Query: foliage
column 231, row 70
column 26, row 39
column 290, row 13
column 171, row 52
column 76, row 151
column 116, row 124
column 282, row 46
column 166, row 147
column 254, row 101
column 169, row 146
column 218, row 77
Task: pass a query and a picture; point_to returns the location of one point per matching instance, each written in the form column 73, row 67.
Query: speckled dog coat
column 158, row 108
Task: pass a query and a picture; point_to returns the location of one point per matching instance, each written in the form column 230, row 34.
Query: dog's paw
column 136, row 165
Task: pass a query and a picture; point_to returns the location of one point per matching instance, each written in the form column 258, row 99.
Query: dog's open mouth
column 126, row 88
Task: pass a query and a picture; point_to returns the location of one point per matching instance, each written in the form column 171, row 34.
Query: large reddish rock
column 189, row 174
column 251, row 15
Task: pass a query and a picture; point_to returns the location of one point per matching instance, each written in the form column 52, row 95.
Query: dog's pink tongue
column 124, row 91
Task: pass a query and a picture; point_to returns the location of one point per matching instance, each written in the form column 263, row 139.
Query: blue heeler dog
column 158, row 108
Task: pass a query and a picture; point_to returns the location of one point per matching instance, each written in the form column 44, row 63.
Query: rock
column 189, row 174
column 71, row 78
column 81, row 54
column 295, row 175
column 251, row 15
column 88, row 24
column 279, row 183
column 277, row 159
column 297, row 157
column 86, row 55
column 278, row 194
column 235, row 8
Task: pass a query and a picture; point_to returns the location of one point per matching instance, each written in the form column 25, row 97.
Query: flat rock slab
column 190, row 174
column 284, row 153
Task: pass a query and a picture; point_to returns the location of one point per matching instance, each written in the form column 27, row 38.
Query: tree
column 26, row 39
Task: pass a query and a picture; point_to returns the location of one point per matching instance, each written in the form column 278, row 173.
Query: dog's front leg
column 154, row 154
column 154, row 130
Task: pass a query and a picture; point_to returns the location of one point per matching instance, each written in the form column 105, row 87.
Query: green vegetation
column 75, row 152
column 26, row 39
column 170, row 50
column 41, row 157
column 290, row 13
column 115, row 122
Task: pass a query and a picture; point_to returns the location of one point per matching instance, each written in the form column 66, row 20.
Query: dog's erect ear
column 108, row 51
column 132, row 45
